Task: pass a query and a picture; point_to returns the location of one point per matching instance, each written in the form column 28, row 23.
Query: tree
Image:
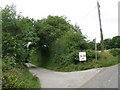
column 64, row 50
column 50, row 28
column 112, row 43
column 17, row 32
column 91, row 45
column 116, row 42
column 108, row 43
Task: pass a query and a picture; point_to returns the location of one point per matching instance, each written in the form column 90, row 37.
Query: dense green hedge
column 64, row 50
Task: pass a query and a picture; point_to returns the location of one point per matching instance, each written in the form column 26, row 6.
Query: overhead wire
column 81, row 20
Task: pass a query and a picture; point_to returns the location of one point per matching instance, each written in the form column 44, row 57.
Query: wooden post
column 101, row 33
column 95, row 49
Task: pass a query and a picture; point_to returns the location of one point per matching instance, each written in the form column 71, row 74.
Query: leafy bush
column 65, row 50
column 16, row 75
column 90, row 54
column 8, row 62
column 115, row 52
column 11, row 79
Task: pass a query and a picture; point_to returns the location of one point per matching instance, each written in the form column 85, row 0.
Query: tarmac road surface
column 107, row 78
column 93, row 78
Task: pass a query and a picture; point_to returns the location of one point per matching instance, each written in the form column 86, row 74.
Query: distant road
column 93, row 78
column 107, row 78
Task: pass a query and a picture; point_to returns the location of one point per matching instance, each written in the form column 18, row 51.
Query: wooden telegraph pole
column 101, row 33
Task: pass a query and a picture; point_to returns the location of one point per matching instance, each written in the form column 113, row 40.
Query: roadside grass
column 105, row 60
column 85, row 65
column 19, row 77
column 30, row 80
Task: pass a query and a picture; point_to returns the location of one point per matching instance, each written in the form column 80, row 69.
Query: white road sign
column 82, row 56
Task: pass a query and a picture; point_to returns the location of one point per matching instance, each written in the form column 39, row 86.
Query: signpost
column 95, row 48
column 82, row 56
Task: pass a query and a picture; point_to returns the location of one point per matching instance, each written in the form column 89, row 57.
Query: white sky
column 81, row 12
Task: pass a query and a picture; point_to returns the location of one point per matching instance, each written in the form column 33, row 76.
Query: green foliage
column 85, row 65
column 55, row 45
column 17, row 75
column 9, row 80
column 105, row 59
column 108, row 43
column 91, row 45
column 35, row 57
column 116, row 42
column 65, row 49
column 50, row 28
column 13, row 47
column 8, row 62
column 8, row 19
column 18, row 78
column 17, row 32
column 112, row 43
column 90, row 54
column 115, row 52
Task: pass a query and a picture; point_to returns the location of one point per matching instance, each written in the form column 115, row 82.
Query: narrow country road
column 107, row 78
column 76, row 79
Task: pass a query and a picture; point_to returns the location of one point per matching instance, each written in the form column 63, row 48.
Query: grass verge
column 84, row 65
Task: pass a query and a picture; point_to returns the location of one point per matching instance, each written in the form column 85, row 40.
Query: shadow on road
column 31, row 66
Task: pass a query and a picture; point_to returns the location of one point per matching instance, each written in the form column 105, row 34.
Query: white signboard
column 82, row 56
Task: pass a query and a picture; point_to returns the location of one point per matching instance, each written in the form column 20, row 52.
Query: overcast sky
column 81, row 12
